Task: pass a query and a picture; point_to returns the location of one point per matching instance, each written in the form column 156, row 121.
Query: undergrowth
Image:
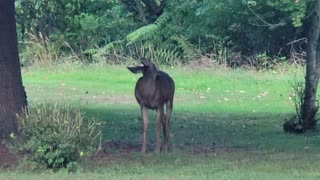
column 56, row 136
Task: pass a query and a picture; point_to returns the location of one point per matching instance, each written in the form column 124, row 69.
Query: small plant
column 57, row 135
column 296, row 94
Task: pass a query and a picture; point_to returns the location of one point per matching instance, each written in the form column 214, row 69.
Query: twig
column 297, row 40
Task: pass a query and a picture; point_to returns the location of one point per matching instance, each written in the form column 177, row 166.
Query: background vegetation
column 233, row 33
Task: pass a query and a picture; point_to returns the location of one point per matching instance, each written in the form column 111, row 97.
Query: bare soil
column 7, row 159
column 127, row 147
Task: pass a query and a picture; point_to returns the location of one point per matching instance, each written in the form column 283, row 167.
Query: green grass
column 227, row 124
column 209, row 90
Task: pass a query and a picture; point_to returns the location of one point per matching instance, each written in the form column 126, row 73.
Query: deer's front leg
column 158, row 126
column 144, row 114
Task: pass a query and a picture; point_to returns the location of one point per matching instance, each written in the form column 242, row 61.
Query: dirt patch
column 7, row 159
column 109, row 149
column 127, row 147
column 107, row 99
column 121, row 147
column 198, row 148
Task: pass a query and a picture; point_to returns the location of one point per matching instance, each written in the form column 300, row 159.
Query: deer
column 154, row 89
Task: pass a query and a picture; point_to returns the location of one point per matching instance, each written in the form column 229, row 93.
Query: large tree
column 12, row 93
column 306, row 119
column 309, row 106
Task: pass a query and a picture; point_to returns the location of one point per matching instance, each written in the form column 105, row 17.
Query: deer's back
column 154, row 93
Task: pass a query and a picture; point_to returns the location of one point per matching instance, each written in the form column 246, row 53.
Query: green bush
column 57, row 135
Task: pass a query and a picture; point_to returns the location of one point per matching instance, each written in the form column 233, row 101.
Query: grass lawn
column 226, row 124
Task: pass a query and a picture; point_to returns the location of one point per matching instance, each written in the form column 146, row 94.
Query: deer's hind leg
column 166, row 125
column 144, row 114
column 158, row 126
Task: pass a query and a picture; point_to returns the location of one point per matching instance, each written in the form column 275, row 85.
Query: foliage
column 57, row 135
column 263, row 62
column 80, row 23
column 39, row 52
column 156, row 44
column 110, row 30
column 245, row 21
column 296, row 10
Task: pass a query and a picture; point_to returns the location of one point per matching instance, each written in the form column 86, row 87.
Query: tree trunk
column 309, row 106
column 154, row 8
column 12, row 93
column 142, row 17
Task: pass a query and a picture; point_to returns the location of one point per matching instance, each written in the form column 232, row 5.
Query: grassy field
column 227, row 124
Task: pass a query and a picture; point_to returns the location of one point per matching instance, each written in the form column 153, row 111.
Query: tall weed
column 57, row 135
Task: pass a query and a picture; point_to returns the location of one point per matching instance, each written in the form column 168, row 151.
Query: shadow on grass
column 202, row 132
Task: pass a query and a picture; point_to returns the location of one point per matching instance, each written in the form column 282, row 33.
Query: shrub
column 296, row 94
column 57, row 135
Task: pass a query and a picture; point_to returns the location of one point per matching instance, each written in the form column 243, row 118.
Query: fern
column 188, row 51
column 113, row 45
column 166, row 56
column 163, row 19
column 168, row 50
column 142, row 34
column 150, row 32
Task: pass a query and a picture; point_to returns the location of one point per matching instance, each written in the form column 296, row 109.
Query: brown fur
column 154, row 89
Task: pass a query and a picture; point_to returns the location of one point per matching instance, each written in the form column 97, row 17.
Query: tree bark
column 309, row 106
column 12, row 93
column 154, row 8
column 147, row 10
column 142, row 17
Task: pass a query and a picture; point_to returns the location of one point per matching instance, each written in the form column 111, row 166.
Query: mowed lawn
column 226, row 124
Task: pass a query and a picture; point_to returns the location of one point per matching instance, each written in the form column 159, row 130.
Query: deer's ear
column 136, row 69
